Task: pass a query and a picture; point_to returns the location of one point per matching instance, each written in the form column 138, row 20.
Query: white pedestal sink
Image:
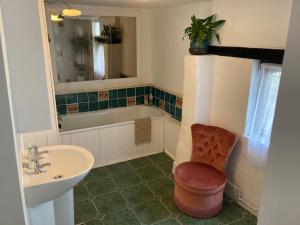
column 69, row 165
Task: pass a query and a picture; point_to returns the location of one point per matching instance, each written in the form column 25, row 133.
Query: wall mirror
column 87, row 48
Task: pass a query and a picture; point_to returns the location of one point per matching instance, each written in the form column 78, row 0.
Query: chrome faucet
column 33, row 163
column 38, row 154
column 37, row 169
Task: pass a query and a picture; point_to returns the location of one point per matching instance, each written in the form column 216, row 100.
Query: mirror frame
column 100, row 84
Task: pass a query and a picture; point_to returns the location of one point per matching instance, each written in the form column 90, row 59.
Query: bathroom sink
column 69, row 165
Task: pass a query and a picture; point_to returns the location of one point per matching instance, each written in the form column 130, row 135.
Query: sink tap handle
column 41, row 153
column 35, row 149
column 38, row 166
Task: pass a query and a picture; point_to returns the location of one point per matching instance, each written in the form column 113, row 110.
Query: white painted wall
column 26, row 62
column 198, row 86
column 231, row 88
column 167, row 49
column 281, row 197
column 46, row 136
column 255, row 23
column 12, row 200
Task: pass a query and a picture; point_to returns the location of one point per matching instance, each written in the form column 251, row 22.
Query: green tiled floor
column 139, row 192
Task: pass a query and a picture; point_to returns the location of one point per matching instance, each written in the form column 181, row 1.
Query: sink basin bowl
column 69, row 165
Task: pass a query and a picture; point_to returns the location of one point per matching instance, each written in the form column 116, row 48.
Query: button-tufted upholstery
column 212, row 145
column 199, row 184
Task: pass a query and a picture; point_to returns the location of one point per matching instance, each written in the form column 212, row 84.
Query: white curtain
column 99, row 58
column 261, row 109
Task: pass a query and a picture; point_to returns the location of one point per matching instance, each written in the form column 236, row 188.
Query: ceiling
column 128, row 3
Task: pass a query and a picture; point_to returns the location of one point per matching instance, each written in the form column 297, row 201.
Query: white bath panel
column 114, row 142
column 89, row 140
column 158, row 135
column 117, row 143
column 172, row 129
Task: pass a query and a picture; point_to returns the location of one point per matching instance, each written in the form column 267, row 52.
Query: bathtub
column 109, row 134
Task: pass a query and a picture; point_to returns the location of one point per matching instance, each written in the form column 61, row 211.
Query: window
column 261, row 110
column 98, row 51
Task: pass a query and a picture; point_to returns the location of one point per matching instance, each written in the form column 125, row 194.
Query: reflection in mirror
column 93, row 48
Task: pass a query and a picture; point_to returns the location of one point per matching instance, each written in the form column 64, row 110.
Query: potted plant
column 111, row 34
column 201, row 32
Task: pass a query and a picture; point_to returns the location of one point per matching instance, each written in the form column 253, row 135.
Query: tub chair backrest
column 212, row 145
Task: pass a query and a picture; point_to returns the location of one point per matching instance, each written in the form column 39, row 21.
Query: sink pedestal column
column 60, row 211
column 64, row 209
column 42, row 214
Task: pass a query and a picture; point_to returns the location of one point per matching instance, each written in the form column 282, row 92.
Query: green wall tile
column 62, row 109
column 61, row 99
column 130, row 92
column 83, row 97
column 147, row 90
column 122, row 102
column 113, row 94
column 157, row 93
column 72, row 98
column 153, row 91
column 93, row 106
column 140, row 100
column 167, row 97
column 178, row 113
column 162, row 95
column 172, row 110
column 93, row 96
column 83, row 107
column 121, row 93
column 113, row 103
column 140, row 91
column 173, row 100
column 167, row 107
column 103, row 105
column 156, row 102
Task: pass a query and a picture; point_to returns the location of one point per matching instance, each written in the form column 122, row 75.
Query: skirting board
column 235, row 193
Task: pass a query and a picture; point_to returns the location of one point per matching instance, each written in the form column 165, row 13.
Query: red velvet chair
column 199, row 184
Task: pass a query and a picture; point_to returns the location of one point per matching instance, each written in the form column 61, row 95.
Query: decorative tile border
column 116, row 98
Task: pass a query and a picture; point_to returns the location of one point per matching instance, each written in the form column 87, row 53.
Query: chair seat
column 200, row 178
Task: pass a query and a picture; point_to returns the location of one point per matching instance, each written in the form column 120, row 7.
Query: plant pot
column 194, row 50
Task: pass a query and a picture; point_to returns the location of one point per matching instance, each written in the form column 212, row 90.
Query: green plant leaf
column 218, row 23
column 210, row 19
column 218, row 38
